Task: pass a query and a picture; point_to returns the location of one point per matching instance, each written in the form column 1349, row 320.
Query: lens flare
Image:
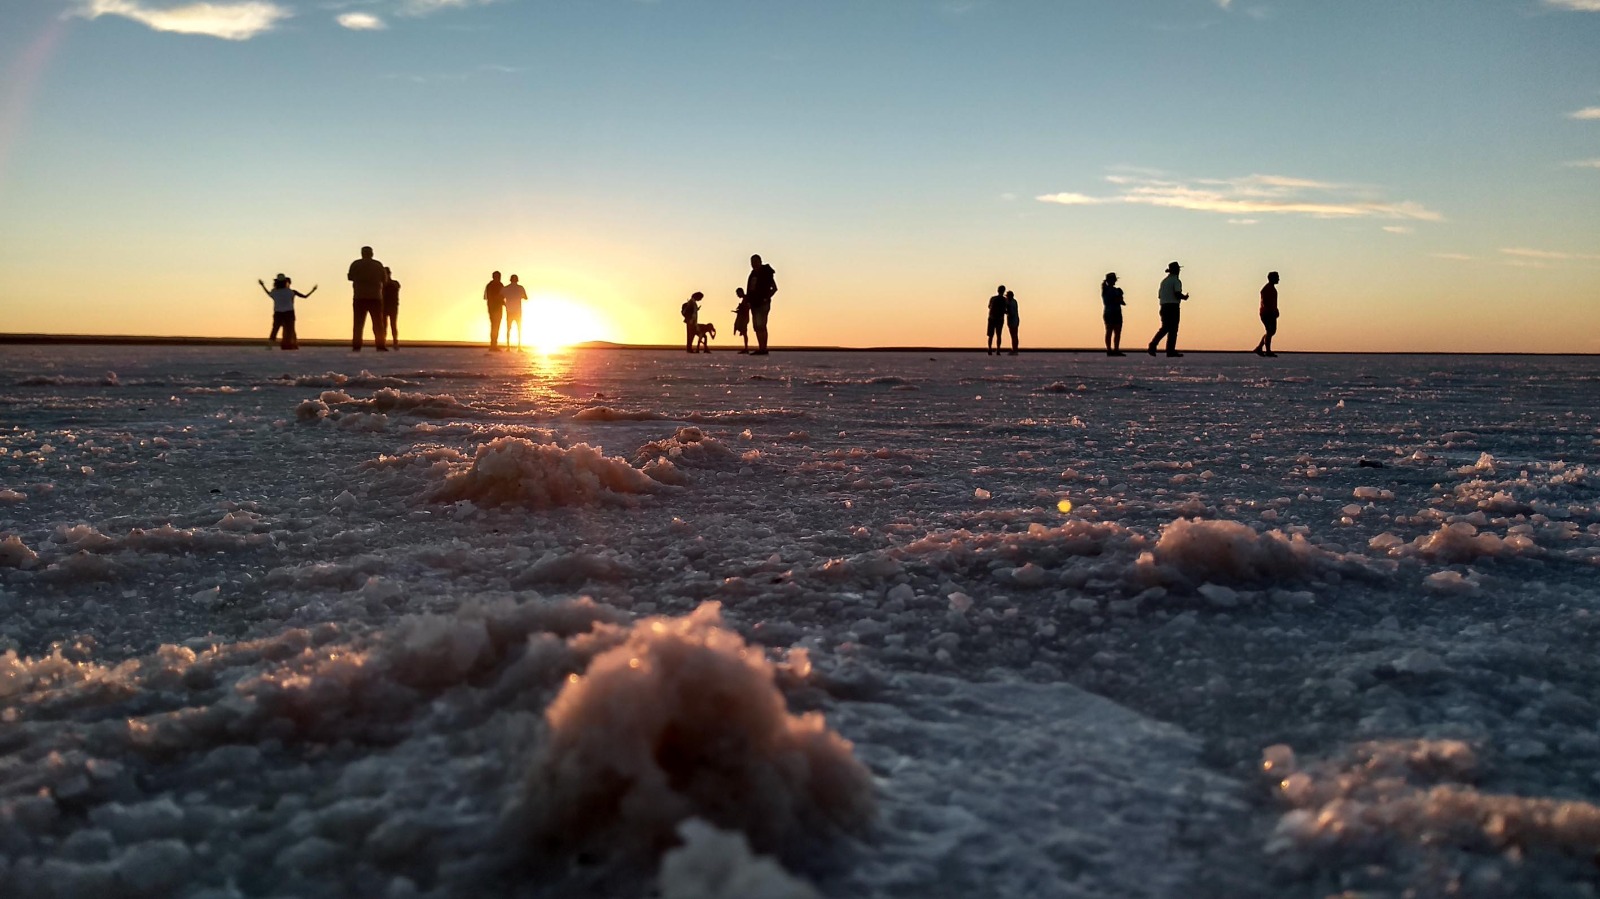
column 1065, row 506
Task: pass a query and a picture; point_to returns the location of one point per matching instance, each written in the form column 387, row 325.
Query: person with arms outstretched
column 283, row 310
column 758, row 291
column 1269, row 315
column 494, row 299
column 1171, row 295
column 391, row 308
column 513, row 294
column 366, row 282
column 1111, row 299
column 996, row 322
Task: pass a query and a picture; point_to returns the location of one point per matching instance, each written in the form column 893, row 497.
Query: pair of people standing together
column 1002, row 312
column 504, row 300
column 375, row 294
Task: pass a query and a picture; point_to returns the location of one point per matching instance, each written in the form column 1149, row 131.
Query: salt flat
column 437, row 623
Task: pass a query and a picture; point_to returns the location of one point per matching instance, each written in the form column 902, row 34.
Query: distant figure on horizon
column 366, row 280
column 691, row 320
column 283, row 310
column 1012, row 320
column 1269, row 315
column 759, row 289
column 741, row 320
column 1111, row 298
column 1171, row 295
column 513, row 294
column 493, row 298
column 996, row 322
column 391, row 308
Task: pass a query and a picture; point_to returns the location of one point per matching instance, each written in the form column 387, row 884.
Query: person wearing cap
column 366, row 282
column 1269, row 315
column 1111, row 299
column 1171, row 295
column 283, row 310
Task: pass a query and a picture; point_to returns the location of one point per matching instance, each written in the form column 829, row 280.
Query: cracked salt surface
column 626, row 624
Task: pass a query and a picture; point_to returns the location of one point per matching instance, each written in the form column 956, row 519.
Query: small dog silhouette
column 702, row 332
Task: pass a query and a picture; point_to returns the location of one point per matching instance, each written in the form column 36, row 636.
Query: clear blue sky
column 1425, row 175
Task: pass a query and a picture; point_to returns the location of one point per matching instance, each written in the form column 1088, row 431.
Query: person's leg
column 1160, row 333
column 494, row 326
column 359, row 313
column 277, row 323
column 1013, row 327
column 688, row 336
column 375, row 313
column 758, row 320
column 1116, row 335
column 291, row 337
column 1171, row 327
column 392, row 313
column 1271, row 321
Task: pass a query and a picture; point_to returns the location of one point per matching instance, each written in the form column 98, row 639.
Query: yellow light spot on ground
column 1065, row 506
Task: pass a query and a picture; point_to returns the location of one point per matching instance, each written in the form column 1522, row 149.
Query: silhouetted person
column 1012, row 319
column 513, row 294
column 283, row 310
column 1269, row 315
column 741, row 319
column 493, row 298
column 391, row 308
column 1111, row 299
column 758, row 291
column 366, row 279
column 691, row 320
column 997, row 321
column 1171, row 295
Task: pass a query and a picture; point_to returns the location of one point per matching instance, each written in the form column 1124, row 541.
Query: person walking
column 691, row 320
column 391, row 308
column 1269, row 315
column 997, row 320
column 513, row 294
column 494, row 299
column 1012, row 320
column 283, row 310
column 1111, row 299
column 1171, row 295
column 759, row 289
column 366, row 281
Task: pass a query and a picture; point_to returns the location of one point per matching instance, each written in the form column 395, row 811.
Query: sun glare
column 556, row 322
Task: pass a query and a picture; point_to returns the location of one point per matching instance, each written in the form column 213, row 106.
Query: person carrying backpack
column 691, row 319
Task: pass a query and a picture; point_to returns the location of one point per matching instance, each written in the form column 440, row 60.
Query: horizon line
column 40, row 339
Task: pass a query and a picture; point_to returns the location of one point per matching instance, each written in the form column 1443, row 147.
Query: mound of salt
column 514, row 471
column 715, row 864
column 682, row 720
column 16, row 554
column 688, row 448
column 1229, row 552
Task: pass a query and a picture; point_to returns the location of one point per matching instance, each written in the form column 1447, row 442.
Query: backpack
column 688, row 310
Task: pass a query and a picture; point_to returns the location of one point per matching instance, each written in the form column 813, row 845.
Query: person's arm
column 306, row 296
column 264, row 287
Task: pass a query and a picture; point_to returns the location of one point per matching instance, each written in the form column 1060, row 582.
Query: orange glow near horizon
column 551, row 323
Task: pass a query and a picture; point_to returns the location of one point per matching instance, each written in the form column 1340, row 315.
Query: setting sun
column 556, row 322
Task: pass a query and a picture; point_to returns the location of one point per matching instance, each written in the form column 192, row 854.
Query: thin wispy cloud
column 1588, row 113
column 1576, row 5
column 1453, row 257
column 1251, row 195
column 229, row 21
column 1548, row 255
column 1224, row 4
column 1585, row 164
column 361, row 21
column 1399, row 229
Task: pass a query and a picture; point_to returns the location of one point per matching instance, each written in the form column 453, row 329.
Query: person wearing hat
column 283, row 310
column 1111, row 299
column 1171, row 295
column 1269, row 315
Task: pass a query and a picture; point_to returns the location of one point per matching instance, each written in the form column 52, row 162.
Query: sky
column 1425, row 175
